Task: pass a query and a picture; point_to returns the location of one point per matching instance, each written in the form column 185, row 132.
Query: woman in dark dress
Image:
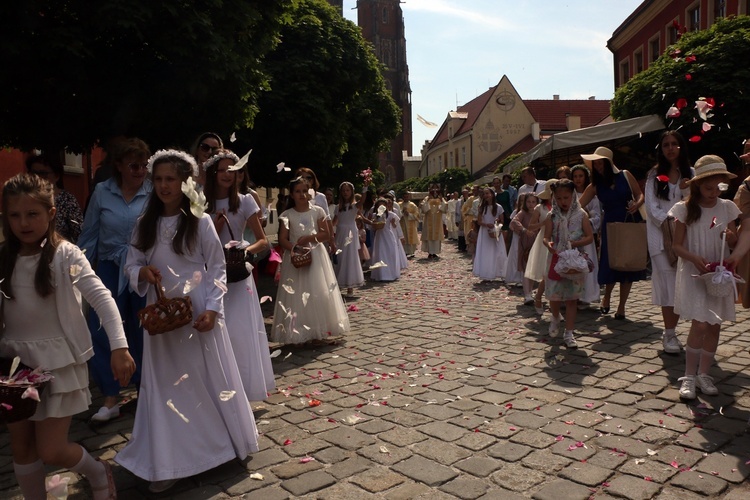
column 619, row 196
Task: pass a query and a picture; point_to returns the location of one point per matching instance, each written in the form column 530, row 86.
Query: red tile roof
column 473, row 108
column 551, row 113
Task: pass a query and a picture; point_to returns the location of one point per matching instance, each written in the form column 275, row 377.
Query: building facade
column 382, row 24
column 657, row 24
column 487, row 129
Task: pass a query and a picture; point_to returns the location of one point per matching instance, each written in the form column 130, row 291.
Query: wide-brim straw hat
column 546, row 194
column 601, row 153
column 709, row 165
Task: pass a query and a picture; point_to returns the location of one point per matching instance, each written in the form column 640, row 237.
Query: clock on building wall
column 505, row 100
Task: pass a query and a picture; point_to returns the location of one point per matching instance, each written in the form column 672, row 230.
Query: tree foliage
column 76, row 72
column 702, row 66
column 327, row 108
column 450, row 179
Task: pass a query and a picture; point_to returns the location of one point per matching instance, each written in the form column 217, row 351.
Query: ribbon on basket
column 721, row 282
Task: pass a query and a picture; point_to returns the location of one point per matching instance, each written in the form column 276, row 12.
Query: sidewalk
column 450, row 388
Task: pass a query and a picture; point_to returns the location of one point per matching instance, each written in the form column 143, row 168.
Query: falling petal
column 378, row 264
column 184, row 377
column 352, row 308
column 287, row 442
column 174, row 409
column 706, row 126
column 723, row 186
column 348, row 239
column 304, row 460
column 266, row 298
column 275, row 353
column 221, row 285
column 662, row 178
column 173, row 272
column 695, row 138
column 256, row 476
column 673, row 112
column 288, row 289
column 233, row 137
column 688, row 77
column 226, row 395
column 338, row 251
column 681, row 103
column 287, row 355
column 381, row 210
column 703, row 108
column 282, row 167
column 305, row 296
column 75, row 270
column 31, row 393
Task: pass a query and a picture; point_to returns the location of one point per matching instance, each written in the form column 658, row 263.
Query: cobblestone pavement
column 447, row 387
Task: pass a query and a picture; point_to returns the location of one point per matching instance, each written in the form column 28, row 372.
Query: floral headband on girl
column 224, row 155
column 166, row 153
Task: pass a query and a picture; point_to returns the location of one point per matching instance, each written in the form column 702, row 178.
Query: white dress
column 348, row 266
column 690, row 299
column 539, row 257
column 490, row 257
column 192, row 412
column 308, row 301
column 591, row 288
column 242, row 314
column 512, row 274
column 387, row 248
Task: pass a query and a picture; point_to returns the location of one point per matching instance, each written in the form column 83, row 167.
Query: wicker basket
column 236, row 259
column 303, row 259
column 12, row 407
column 165, row 314
column 724, row 288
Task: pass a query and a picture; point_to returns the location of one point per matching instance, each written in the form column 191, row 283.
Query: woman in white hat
column 620, row 197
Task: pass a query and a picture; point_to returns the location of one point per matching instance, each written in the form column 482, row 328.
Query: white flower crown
column 165, row 153
column 221, row 156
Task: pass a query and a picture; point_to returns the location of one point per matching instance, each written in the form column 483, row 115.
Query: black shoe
column 620, row 317
column 604, row 310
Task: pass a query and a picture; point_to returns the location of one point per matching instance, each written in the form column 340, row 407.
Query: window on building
column 653, row 49
column 744, row 7
column 671, row 34
column 463, row 156
column 694, row 17
column 718, row 9
column 440, row 162
column 638, row 61
column 624, row 72
column 385, row 15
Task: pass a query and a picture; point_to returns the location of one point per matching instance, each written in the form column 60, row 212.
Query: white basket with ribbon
column 721, row 282
column 571, row 264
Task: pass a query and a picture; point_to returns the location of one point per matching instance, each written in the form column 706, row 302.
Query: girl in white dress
column 538, row 263
column 581, row 177
column 666, row 185
column 308, row 305
column 700, row 222
column 513, row 276
column 392, row 206
column 348, row 267
column 242, row 314
column 192, row 411
column 523, row 241
column 42, row 280
column 491, row 256
column 385, row 248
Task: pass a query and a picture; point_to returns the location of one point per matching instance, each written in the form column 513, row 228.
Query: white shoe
column 554, row 326
column 705, row 383
column 570, row 341
column 687, row 389
column 671, row 344
column 161, row 486
column 106, row 414
column 528, row 300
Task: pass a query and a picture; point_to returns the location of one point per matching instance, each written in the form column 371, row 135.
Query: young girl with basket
column 308, row 305
column 700, row 222
column 348, row 267
column 386, row 246
column 192, row 411
column 491, row 257
column 232, row 212
column 42, row 278
column 566, row 229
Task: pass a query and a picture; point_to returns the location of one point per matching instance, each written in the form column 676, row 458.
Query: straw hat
column 547, row 193
column 709, row 165
column 601, row 153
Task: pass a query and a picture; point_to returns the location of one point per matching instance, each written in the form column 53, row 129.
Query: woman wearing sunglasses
column 207, row 145
column 110, row 217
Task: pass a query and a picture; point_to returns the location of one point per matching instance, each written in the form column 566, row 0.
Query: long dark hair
column 290, row 197
column 663, row 166
column 210, row 187
column 42, row 191
column 187, row 228
column 483, row 204
column 605, row 179
column 342, row 202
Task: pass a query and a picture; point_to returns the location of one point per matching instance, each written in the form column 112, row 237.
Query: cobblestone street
column 448, row 387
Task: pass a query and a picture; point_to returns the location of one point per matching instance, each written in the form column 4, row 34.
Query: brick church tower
column 382, row 24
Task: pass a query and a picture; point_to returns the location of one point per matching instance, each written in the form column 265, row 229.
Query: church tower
column 382, row 24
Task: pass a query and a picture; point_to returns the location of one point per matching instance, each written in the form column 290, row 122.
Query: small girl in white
column 348, row 267
column 491, row 257
column 699, row 223
column 386, row 246
column 567, row 227
column 42, row 278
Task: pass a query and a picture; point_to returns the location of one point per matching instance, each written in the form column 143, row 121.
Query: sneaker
column 570, row 341
column 106, row 414
column 161, row 486
column 671, row 344
column 687, row 389
column 554, row 326
column 705, row 383
column 528, row 300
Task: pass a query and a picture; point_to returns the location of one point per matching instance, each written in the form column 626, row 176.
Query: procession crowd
column 165, row 255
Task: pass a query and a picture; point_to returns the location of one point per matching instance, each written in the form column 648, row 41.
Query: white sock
column 692, row 357
column 30, row 479
column 669, row 332
column 707, row 359
column 568, row 333
column 92, row 469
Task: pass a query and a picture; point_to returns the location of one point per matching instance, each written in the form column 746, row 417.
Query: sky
column 457, row 49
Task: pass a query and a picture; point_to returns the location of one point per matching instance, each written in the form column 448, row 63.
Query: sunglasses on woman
column 207, row 147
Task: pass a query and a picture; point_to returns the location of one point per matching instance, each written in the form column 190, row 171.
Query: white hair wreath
column 166, row 153
column 222, row 156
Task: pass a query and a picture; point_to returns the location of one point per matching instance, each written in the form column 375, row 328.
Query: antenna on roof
column 456, row 99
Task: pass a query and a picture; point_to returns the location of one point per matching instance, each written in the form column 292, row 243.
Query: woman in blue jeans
column 110, row 217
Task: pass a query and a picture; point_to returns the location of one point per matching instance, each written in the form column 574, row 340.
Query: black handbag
column 236, row 258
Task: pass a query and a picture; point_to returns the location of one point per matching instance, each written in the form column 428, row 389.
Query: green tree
column 327, row 108
column 702, row 66
column 450, row 180
column 76, row 72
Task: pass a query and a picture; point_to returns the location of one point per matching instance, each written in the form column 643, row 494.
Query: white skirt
column 512, row 274
column 663, row 277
